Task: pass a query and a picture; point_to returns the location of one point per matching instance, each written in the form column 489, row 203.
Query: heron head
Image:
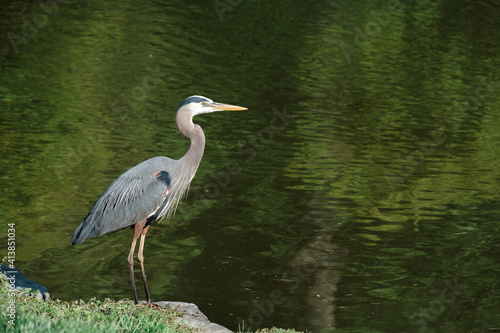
column 198, row 104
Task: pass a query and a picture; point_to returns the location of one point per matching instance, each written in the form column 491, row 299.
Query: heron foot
column 151, row 305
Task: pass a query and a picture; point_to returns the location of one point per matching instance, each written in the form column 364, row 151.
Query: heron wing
column 131, row 198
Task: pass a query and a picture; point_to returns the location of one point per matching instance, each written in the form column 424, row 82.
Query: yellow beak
column 227, row 107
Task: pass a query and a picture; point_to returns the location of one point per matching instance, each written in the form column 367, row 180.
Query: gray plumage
column 151, row 189
column 131, row 198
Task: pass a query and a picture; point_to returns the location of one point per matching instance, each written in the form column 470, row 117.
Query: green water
column 359, row 192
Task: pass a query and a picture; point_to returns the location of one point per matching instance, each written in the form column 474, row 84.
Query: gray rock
column 23, row 284
column 193, row 317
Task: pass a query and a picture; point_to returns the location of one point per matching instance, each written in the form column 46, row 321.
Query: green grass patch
column 36, row 316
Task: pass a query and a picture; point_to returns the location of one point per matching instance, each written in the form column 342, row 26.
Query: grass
column 34, row 315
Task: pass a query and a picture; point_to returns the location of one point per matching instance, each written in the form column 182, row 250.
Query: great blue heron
column 151, row 189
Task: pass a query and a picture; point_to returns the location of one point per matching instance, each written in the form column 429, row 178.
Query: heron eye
column 203, row 103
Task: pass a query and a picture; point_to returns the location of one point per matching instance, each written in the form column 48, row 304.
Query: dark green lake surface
column 359, row 192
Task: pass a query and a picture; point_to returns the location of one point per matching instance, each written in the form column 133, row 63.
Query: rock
column 193, row 317
column 23, row 284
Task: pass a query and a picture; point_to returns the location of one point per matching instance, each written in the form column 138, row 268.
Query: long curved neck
column 194, row 133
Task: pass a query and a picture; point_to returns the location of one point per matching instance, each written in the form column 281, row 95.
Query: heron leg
column 137, row 232
column 140, row 258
